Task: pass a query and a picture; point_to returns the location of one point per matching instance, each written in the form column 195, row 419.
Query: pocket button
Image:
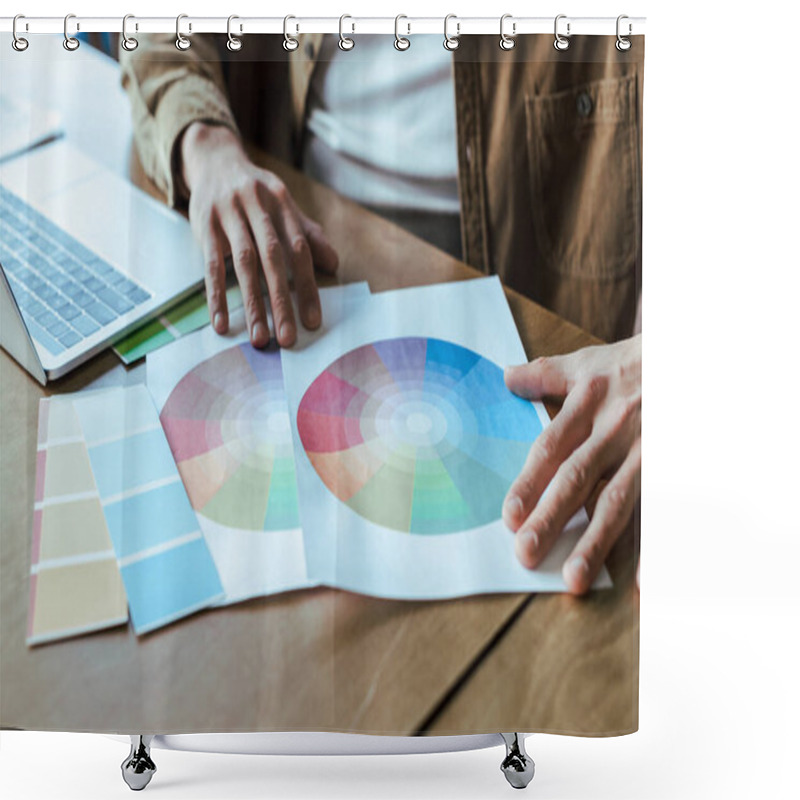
column 584, row 104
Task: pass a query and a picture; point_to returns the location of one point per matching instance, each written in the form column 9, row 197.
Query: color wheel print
column 227, row 423
column 418, row 435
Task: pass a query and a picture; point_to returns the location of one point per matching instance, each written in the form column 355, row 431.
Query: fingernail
column 287, row 332
column 258, row 332
column 526, row 546
column 578, row 568
column 218, row 320
column 512, row 508
column 312, row 315
column 531, row 540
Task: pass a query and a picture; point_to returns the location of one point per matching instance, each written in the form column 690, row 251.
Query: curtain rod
column 597, row 26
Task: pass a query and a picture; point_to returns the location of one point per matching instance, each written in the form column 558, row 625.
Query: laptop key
column 85, row 324
column 69, row 338
column 43, row 337
column 69, row 312
column 98, row 266
column 114, row 300
column 99, row 312
column 94, row 285
column 47, row 295
column 57, row 328
column 114, row 277
column 47, row 319
column 138, row 295
column 72, row 289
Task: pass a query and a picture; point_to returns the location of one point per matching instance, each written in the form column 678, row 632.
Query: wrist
column 200, row 143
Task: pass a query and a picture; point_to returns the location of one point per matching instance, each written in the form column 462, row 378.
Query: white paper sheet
column 389, row 537
column 224, row 412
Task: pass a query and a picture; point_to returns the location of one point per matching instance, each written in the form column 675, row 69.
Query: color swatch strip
column 184, row 317
column 75, row 585
column 162, row 555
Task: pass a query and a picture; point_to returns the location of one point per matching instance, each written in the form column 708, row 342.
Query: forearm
column 169, row 90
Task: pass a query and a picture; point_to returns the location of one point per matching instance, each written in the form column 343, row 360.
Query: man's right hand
column 241, row 210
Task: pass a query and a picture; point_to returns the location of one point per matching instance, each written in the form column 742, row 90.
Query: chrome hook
column 400, row 42
column 507, row 42
column 345, row 42
column 451, row 42
column 70, row 42
column 562, row 42
column 290, row 44
column 234, row 44
column 128, row 43
column 181, row 42
column 623, row 43
column 19, row 43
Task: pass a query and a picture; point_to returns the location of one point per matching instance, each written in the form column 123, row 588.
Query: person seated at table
column 526, row 167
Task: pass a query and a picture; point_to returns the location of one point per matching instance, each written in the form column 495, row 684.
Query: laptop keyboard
column 65, row 292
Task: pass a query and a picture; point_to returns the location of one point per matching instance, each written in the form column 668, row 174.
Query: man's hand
column 595, row 435
column 240, row 209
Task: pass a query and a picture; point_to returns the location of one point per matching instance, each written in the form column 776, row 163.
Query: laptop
column 85, row 256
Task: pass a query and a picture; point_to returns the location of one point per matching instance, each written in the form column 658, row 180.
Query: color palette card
column 223, row 409
column 185, row 317
column 406, row 442
column 75, row 585
column 165, row 564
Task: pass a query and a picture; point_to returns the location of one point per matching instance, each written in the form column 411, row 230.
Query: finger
column 273, row 264
column 570, row 428
column 212, row 243
column 323, row 254
column 543, row 377
column 612, row 512
column 568, row 491
column 245, row 265
column 305, row 283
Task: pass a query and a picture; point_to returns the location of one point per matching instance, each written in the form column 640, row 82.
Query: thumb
column 543, row 377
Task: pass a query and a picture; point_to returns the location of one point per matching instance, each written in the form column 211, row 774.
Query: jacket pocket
column 585, row 179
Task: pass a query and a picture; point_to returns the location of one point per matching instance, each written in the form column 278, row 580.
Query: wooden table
column 321, row 659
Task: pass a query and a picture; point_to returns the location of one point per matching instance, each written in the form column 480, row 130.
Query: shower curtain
column 377, row 469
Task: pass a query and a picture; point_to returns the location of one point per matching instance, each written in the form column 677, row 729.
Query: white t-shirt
column 381, row 124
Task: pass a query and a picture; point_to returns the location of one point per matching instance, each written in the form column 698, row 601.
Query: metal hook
column 234, row 44
column 128, row 43
column 18, row 42
column 562, row 42
column 623, row 43
column 400, row 42
column 70, row 42
column 290, row 44
column 345, row 42
column 451, row 42
column 181, row 42
column 507, row 42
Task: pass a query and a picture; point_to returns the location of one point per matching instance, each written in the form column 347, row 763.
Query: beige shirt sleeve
column 169, row 89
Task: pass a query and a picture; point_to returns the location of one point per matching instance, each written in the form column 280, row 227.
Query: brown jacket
column 549, row 150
